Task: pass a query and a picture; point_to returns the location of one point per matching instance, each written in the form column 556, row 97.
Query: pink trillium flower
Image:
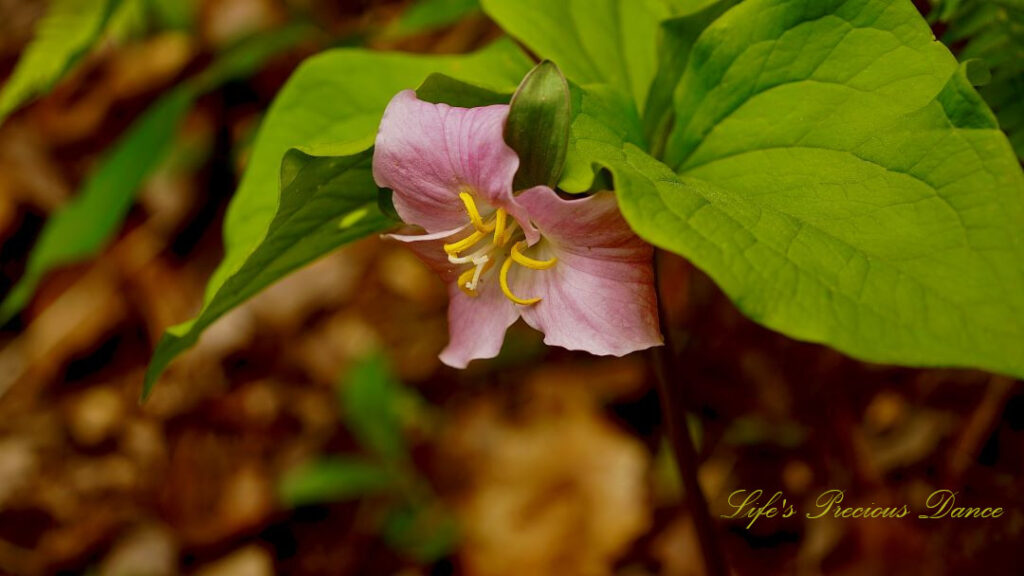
column 572, row 269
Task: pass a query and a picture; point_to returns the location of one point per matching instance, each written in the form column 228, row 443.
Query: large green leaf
column 936, row 306
column 843, row 183
column 604, row 121
column 66, row 32
column 441, row 89
column 773, row 73
column 331, row 106
column 325, row 202
column 593, row 41
column 676, row 39
column 83, row 227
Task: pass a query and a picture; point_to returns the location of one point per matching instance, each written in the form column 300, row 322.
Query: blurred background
column 313, row 430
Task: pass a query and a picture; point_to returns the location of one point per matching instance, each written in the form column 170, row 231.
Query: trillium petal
column 429, row 153
column 600, row 295
column 477, row 326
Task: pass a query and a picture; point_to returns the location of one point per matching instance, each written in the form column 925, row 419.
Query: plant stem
column 977, row 429
column 673, row 415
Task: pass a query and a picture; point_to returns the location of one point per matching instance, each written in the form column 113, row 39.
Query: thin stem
column 673, row 414
column 977, row 429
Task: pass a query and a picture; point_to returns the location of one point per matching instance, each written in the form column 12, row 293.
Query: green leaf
column 334, row 479
column 81, row 228
column 677, row 37
column 438, row 89
column 603, row 122
column 679, row 8
column 324, row 112
column 962, row 103
column 593, row 41
column 65, row 34
column 128, row 21
column 427, row 15
column 905, row 297
column 326, row 202
column 843, row 184
column 1006, row 96
column 824, row 67
column 946, row 8
column 174, row 14
column 538, row 126
column 386, row 204
column 247, row 56
column 993, row 31
column 370, row 398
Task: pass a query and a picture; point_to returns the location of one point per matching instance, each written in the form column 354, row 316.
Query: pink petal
column 477, row 325
column 600, row 295
column 427, row 153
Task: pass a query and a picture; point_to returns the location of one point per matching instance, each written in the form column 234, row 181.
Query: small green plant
column 375, row 406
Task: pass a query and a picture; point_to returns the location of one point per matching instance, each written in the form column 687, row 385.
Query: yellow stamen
column 464, row 244
column 499, row 227
column 528, row 262
column 510, row 230
column 503, row 279
column 474, row 214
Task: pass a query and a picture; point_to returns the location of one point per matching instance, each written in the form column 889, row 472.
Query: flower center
column 495, row 234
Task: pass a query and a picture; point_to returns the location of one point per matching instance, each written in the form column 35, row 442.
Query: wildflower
column 572, row 269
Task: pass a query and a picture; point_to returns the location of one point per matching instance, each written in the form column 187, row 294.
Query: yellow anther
column 503, row 280
column 466, row 243
column 528, row 262
column 499, row 227
column 474, row 214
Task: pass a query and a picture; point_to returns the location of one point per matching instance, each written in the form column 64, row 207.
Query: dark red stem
column 673, row 413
